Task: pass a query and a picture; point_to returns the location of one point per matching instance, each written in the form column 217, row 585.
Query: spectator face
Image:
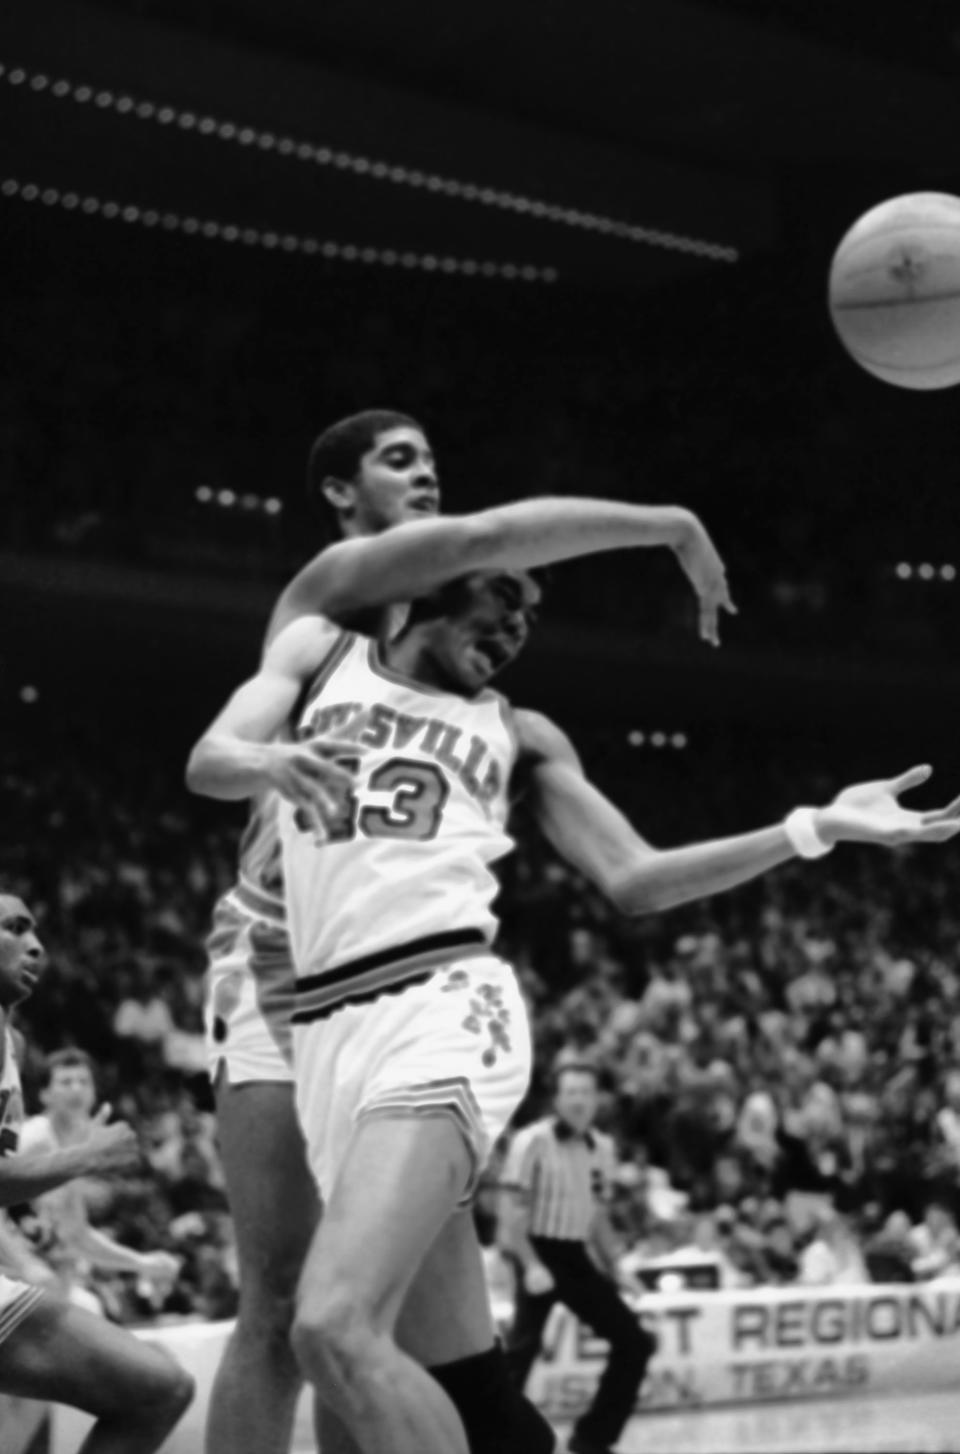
column 897, row 1225
column 780, row 1240
column 939, row 1220
column 576, row 1099
column 705, row 1234
column 21, row 953
column 71, row 1092
column 723, row 1111
column 727, row 1178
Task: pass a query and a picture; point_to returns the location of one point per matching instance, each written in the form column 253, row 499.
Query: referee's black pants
column 594, row 1299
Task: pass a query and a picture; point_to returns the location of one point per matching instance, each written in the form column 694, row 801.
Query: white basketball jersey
column 11, row 1098
column 403, row 881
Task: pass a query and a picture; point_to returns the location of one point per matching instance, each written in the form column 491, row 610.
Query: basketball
column 895, row 291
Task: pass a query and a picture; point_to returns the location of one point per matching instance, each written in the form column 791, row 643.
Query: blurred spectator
column 935, row 1242
column 889, row 1253
column 833, row 1258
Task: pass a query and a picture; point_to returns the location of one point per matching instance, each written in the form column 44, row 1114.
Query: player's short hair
column 68, row 1059
column 446, row 600
column 451, row 597
column 337, row 452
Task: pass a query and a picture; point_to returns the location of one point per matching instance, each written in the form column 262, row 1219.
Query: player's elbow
column 197, row 775
column 635, row 891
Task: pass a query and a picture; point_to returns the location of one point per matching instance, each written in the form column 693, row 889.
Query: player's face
column 397, row 481
column 71, row 1091
column 576, row 1099
column 489, row 630
column 21, row 953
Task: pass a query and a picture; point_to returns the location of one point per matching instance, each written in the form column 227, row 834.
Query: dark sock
column 497, row 1417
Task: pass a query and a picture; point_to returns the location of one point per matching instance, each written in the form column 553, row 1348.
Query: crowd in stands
column 781, row 1065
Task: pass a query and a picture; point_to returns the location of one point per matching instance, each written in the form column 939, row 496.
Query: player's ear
column 338, row 493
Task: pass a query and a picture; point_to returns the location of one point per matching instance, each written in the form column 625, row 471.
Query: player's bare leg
column 446, row 1312
column 275, row 1209
column 401, row 1180
column 445, row 1316
column 135, row 1390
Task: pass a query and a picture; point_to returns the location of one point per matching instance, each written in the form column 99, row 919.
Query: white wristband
column 800, row 827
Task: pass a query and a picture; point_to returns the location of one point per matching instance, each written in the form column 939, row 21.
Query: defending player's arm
column 108, row 1148
column 106, row 1254
column 414, row 559
column 237, row 757
column 594, row 837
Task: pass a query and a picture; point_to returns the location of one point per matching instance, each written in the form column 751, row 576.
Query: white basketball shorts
column 249, row 998
column 16, row 1300
column 457, row 1045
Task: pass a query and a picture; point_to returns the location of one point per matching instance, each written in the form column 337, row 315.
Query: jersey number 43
column 420, row 791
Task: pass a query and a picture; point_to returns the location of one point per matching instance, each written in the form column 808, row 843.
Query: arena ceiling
column 617, row 144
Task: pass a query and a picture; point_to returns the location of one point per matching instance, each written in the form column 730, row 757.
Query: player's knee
column 266, row 1318
column 332, row 1341
column 166, row 1388
column 180, row 1391
column 273, row 1278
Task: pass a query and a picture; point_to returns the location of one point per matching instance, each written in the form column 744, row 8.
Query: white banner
column 766, row 1344
column 746, row 1348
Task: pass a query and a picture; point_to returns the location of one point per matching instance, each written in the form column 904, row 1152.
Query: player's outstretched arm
column 415, row 558
column 237, row 757
column 107, row 1149
column 594, row 837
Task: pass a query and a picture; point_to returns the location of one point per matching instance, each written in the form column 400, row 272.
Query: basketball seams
column 894, row 291
column 919, row 300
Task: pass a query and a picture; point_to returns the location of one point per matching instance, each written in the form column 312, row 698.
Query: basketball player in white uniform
column 411, row 1046
column 50, row 1350
column 375, row 471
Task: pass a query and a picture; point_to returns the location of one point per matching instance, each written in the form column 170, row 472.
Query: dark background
column 141, row 364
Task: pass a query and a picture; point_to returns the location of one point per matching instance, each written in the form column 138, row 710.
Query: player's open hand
column 700, row 560
column 872, row 813
column 310, row 776
column 111, row 1147
column 161, row 1267
column 538, row 1280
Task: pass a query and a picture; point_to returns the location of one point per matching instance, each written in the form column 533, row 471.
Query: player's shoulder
column 303, row 643
column 11, row 1040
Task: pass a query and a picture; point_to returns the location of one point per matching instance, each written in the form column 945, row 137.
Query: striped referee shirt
column 564, row 1176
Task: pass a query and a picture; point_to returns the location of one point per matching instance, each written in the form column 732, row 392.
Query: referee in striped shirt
column 556, row 1182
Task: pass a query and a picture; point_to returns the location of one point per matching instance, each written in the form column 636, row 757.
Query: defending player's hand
column 161, row 1267
column 700, row 560
column 538, row 1280
column 111, row 1148
column 306, row 774
column 871, row 813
